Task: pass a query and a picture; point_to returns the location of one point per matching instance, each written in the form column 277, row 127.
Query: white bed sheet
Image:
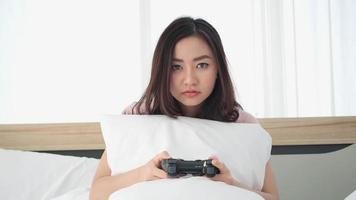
column 43, row 176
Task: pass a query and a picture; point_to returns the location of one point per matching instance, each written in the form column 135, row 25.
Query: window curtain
column 307, row 48
column 288, row 58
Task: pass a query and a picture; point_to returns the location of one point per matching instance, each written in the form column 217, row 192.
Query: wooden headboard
column 87, row 136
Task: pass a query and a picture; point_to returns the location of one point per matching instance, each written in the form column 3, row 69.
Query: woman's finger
column 159, row 173
column 214, row 157
column 217, row 177
column 162, row 155
column 217, row 163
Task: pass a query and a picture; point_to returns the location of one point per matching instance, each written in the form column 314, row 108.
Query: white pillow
column 133, row 140
column 30, row 175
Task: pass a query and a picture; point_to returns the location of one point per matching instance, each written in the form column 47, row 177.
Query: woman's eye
column 176, row 67
column 202, row 65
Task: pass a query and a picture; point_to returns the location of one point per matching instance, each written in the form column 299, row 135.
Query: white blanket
column 183, row 188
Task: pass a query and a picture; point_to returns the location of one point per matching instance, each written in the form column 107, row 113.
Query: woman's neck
column 190, row 111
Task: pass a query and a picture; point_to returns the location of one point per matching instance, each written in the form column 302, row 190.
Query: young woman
column 190, row 78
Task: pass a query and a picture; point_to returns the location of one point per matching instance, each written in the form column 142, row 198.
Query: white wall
column 64, row 61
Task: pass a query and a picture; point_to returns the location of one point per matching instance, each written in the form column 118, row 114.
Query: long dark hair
column 220, row 105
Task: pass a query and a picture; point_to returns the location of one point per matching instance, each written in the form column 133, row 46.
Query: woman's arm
column 269, row 189
column 104, row 184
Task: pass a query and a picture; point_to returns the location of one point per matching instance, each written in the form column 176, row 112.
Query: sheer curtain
column 64, row 61
column 311, row 45
column 288, row 58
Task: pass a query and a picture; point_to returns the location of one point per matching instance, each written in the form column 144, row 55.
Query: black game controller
column 179, row 167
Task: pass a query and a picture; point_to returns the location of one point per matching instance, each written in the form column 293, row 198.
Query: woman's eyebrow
column 202, row 57
column 177, row 60
column 195, row 59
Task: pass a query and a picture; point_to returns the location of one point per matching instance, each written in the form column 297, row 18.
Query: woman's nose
column 190, row 76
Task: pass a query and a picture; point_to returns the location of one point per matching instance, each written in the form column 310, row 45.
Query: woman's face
column 193, row 73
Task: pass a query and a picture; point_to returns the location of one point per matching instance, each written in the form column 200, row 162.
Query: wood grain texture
column 311, row 130
column 57, row 136
column 81, row 136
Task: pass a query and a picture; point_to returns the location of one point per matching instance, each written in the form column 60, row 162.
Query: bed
column 58, row 161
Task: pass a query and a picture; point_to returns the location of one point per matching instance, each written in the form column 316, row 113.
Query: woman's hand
column 269, row 190
column 225, row 174
column 151, row 170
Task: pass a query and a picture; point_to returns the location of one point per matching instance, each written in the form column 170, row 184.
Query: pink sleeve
column 132, row 110
column 128, row 110
column 245, row 117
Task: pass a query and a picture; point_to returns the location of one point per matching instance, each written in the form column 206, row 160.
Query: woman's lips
column 190, row 93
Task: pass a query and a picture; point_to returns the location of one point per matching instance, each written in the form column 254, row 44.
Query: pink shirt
column 244, row 117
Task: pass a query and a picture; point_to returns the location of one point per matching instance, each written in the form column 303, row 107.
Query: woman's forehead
column 191, row 48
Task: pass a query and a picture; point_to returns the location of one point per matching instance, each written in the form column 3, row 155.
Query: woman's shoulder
column 132, row 109
column 245, row 117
